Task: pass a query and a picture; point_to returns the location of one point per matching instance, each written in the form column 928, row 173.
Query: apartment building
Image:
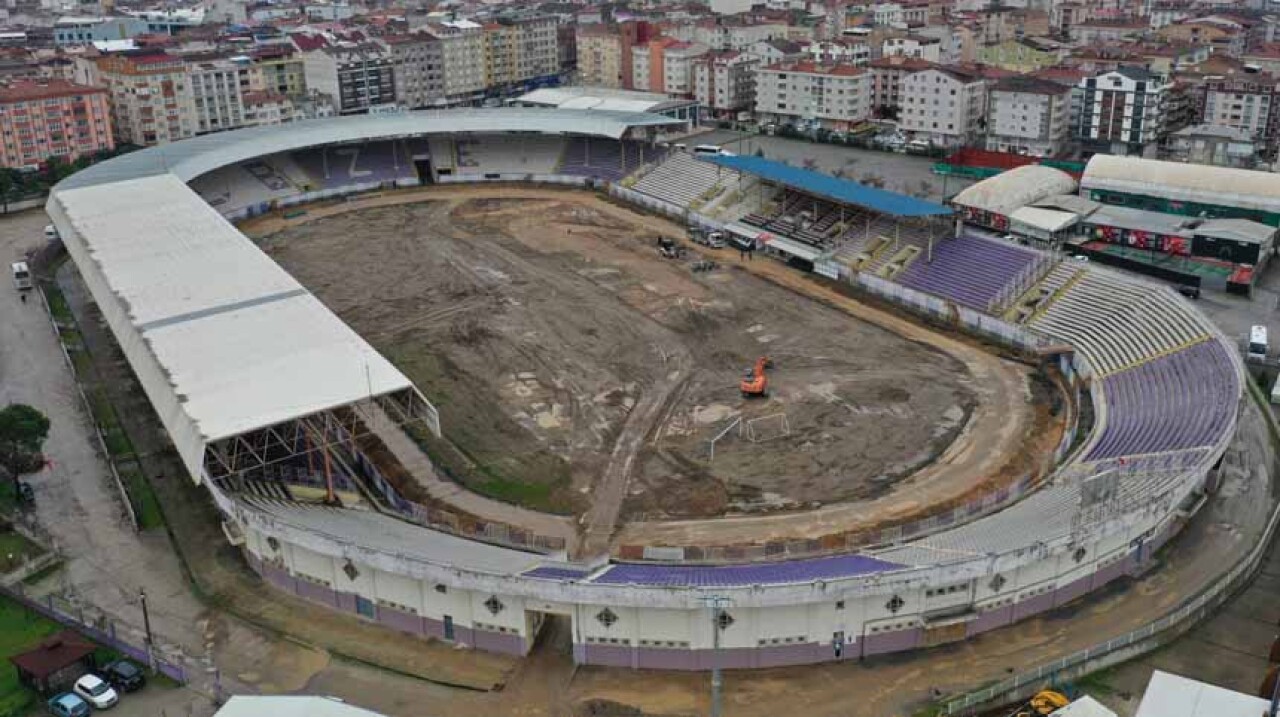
column 725, row 82
column 1249, row 102
column 848, row 51
column 666, row 65
column 354, row 76
column 730, row 33
column 834, row 97
column 417, row 61
column 462, row 54
column 52, row 118
column 918, row 46
column 887, row 74
column 599, row 56
column 267, row 108
column 519, row 50
column 1122, row 112
column 73, row 30
column 275, row 68
column 216, row 95
column 1029, row 116
column 943, row 105
column 150, row 97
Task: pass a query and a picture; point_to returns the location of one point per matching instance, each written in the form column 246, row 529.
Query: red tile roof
column 838, row 69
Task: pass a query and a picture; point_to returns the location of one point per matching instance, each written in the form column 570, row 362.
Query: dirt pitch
column 538, row 326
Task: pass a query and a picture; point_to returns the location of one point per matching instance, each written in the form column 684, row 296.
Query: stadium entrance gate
column 549, row 626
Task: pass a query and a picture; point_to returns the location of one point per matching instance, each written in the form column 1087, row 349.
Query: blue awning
column 845, row 191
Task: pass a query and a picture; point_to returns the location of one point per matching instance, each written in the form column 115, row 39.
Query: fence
column 946, row 312
column 835, row 543
column 1143, row 639
column 95, row 625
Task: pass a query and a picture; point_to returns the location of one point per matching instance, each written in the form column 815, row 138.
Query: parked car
column 96, row 691
column 124, row 676
column 68, row 705
column 26, row 495
column 1191, row 292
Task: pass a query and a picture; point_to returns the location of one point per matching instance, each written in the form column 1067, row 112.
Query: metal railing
column 1190, row 612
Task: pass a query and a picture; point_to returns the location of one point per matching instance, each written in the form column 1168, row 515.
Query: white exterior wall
column 1027, row 122
column 833, row 99
column 941, row 108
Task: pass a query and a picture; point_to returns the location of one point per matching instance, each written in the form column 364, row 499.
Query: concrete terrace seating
column 681, row 179
column 235, row 187
column 1183, row 400
column 1116, row 322
column 509, row 154
column 968, row 270
column 606, row 159
column 354, row 165
column 791, row 571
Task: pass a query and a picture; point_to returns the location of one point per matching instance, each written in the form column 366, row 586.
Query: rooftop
column 841, row 190
column 25, row 90
column 837, row 69
column 600, row 99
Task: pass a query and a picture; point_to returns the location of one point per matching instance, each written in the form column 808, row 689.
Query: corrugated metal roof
column 1016, row 188
column 239, row 340
column 290, row 706
column 191, row 158
column 841, row 190
column 1183, row 182
column 1171, row 695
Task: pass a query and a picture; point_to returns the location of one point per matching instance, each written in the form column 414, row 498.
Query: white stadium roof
column 600, row 99
column 1015, row 189
column 238, row 342
column 223, row 340
column 1183, row 182
column 191, row 158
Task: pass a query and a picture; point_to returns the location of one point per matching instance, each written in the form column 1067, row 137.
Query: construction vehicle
column 1043, row 704
column 669, row 249
column 755, row 382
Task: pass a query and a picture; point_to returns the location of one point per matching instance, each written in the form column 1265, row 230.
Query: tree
column 22, row 433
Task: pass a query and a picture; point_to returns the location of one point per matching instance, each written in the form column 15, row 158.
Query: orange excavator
column 755, row 383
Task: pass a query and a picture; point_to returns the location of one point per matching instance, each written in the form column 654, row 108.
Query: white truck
column 21, row 276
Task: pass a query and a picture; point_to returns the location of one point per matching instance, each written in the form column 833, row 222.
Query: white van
column 50, row 232
column 711, row 149
column 1258, row 343
column 21, row 275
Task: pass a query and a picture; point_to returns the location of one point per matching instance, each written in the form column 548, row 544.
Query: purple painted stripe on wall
column 990, row 620
column 658, row 658
column 606, row 655
column 1111, row 572
column 279, row 577
column 1033, row 606
column 501, row 642
column 883, row 642
column 347, row 602
column 434, row 628
column 317, row 593
column 1072, row 590
column 400, row 620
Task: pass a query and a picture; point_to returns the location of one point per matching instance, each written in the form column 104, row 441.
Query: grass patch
column 20, row 630
column 461, row 468
column 16, row 550
column 58, row 305
column 144, row 500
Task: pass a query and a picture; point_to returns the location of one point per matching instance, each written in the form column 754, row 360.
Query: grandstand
column 1116, row 321
column 976, row 272
column 682, row 180
column 1164, row 384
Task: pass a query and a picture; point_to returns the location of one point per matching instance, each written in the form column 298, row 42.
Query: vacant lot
column 538, row 326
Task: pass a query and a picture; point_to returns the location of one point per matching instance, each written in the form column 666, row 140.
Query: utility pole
column 717, row 603
column 146, row 625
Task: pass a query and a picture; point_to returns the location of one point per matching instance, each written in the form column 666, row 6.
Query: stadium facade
column 243, row 365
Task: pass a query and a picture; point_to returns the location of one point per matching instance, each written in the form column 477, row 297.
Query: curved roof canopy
column 1244, row 188
column 1009, row 191
column 191, row 158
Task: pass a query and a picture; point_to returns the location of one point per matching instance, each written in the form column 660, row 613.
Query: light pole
column 146, row 625
column 717, row 603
